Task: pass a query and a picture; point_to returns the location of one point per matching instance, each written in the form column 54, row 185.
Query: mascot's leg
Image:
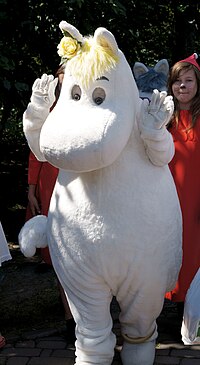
column 140, row 307
column 140, row 350
column 89, row 299
column 138, row 354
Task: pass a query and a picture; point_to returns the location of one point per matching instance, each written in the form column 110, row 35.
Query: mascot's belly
column 103, row 218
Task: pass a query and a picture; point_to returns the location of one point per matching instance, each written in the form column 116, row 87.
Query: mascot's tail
column 33, row 235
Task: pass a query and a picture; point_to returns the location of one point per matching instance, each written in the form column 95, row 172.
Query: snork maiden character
column 114, row 224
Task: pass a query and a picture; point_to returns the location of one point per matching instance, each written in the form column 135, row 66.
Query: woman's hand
column 33, row 202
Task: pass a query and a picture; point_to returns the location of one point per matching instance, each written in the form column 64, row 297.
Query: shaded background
column 146, row 31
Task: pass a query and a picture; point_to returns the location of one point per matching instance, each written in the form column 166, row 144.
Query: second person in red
column 184, row 85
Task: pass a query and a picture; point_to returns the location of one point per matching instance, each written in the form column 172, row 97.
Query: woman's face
column 184, row 88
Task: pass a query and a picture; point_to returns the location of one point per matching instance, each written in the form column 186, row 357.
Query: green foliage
column 146, row 31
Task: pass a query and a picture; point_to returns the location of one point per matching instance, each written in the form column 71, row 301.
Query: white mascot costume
column 114, row 224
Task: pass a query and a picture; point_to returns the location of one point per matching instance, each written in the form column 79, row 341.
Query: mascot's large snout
column 94, row 140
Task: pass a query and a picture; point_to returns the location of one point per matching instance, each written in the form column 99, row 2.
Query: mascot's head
column 94, row 116
column 87, row 58
column 150, row 78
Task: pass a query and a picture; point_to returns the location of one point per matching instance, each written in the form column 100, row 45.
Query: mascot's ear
column 106, row 39
column 73, row 32
column 139, row 69
column 162, row 66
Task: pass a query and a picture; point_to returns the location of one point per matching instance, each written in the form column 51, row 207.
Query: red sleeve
column 34, row 167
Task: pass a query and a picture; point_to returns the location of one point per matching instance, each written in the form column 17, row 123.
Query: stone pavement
column 48, row 347
column 43, row 342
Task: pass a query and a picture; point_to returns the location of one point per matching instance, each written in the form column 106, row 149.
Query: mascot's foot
column 138, row 354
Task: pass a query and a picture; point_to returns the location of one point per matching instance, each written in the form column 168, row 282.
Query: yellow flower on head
column 68, row 48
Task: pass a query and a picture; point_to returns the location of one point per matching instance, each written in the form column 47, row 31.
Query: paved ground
column 48, row 347
column 32, row 321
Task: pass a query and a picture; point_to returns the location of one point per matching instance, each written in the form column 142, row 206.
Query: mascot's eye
column 98, row 95
column 76, row 92
column 76, row 97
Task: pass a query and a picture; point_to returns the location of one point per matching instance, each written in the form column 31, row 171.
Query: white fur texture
column 33, row 235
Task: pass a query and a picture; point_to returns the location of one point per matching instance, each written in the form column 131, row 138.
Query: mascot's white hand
column 43, row 91
column 158, row 112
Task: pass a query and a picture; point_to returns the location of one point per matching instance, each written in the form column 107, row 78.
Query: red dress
column 44, row 176
column 185, row 168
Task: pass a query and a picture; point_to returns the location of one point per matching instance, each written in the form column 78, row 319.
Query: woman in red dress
column 41, row 180
column 184, row 85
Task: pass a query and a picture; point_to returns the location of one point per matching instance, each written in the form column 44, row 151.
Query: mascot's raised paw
column 33, row 235
column 42, row 99
column 158, row 112
column 43, row 91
